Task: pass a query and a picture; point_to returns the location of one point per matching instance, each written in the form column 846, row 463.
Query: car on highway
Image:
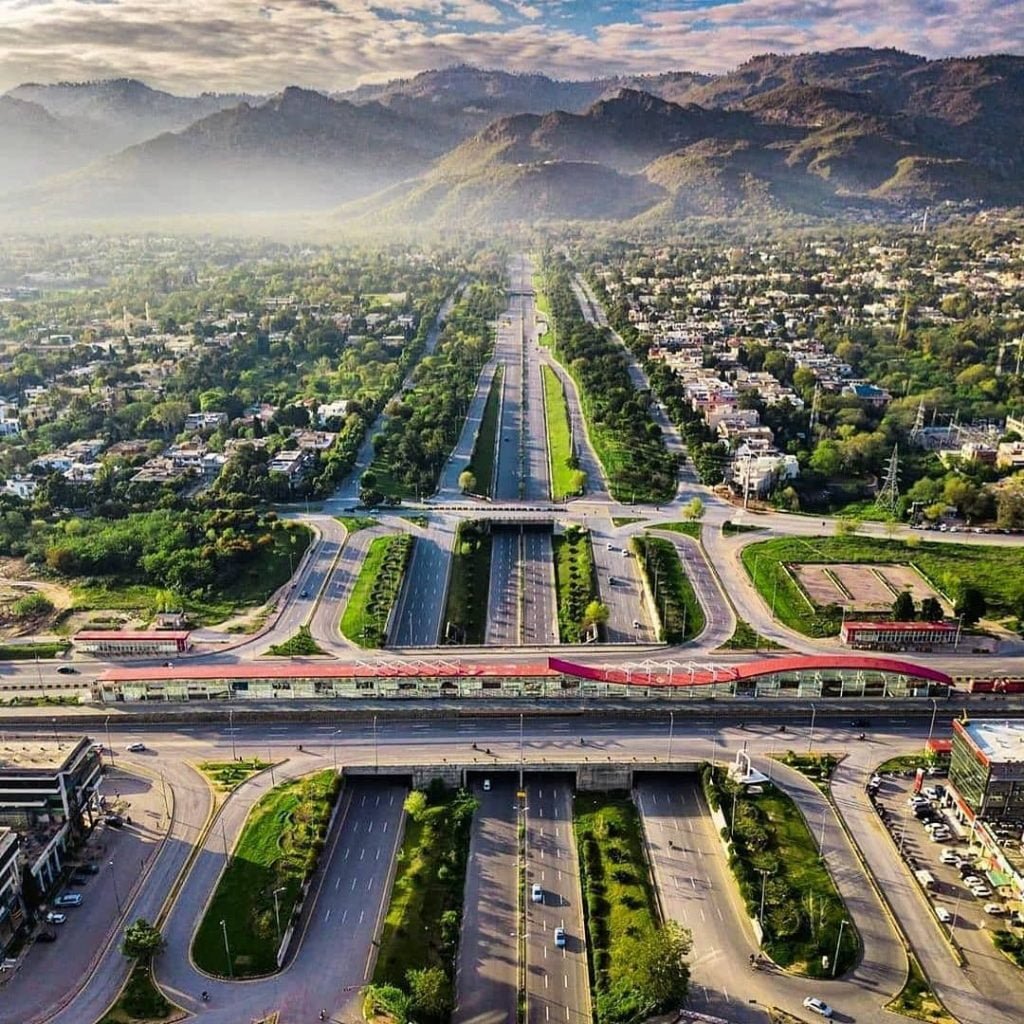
column 53, row 917
column 560, row 937
column 487, row 785
column 305, row 593
column 537, row 893
column 136, row 746
column 68, row 899
column 943, row 915
column 68, row 670
column 819, row 1006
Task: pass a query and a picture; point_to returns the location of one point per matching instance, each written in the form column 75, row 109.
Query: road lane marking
column 343, row 916
column 327, row 916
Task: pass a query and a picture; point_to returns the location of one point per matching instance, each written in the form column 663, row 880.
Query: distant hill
column 123, row 111
column 820, row 133
column 300, row 150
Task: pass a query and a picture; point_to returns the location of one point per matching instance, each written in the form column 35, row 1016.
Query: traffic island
column 672, row 597
column 368, row 613
column 262, row 885
column 466, row 611
column 579, row 607
column 788, row 892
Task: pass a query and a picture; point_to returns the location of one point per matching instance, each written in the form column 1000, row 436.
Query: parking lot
column 944, row 866
column 113, row 861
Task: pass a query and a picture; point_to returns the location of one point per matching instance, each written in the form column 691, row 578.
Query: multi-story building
column 12, row 909
column 987, row 769
column 48, row 793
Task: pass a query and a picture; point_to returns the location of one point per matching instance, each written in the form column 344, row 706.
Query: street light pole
column 671, row 733
column 110, row 748
column 113, row 880
column 839, row 942
column 227, row 948
column 231, row 729
column 810, row 735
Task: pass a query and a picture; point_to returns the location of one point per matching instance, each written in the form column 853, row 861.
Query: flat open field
column 863, row 587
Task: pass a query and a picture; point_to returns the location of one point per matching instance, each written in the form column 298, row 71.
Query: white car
column 537, row 893
column 54, row 918
column 981, row 892
column 995, row 909
column 943, row 915
column 818, row 1006
column 487, row 785
column 560, row 937
column 137, row 747
column 950, row 857
column 941, row 835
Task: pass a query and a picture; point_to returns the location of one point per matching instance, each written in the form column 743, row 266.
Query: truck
column 926, row 879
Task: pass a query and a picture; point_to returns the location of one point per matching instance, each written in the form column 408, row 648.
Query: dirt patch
column 862, row 587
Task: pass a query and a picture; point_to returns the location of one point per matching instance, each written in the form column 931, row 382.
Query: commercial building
column 12, row 909
column 987, row 768
column 48, row 793
column 143, row 642
column 896, row 636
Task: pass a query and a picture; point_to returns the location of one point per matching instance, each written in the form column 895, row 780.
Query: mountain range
column 833, row 133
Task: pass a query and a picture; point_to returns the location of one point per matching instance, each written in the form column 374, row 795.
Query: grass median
column 482, row 462
column 803, row 911
column 575, row 583
column 415, row 971
column 682, row 616
column 277, row 851
column 466, row 610
column 375, row 591
column 567, row 479
column 994, row 571
column 632, row 956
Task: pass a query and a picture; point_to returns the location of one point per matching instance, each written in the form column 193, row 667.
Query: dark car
column 88, row 869
column 860, row 723
column 114, row 820
column 47, row 936
column 67, row 670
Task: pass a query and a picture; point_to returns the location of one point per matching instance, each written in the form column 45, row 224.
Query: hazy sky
column 262, row 45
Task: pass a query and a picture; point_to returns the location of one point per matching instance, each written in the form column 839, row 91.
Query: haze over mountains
column 827, row 133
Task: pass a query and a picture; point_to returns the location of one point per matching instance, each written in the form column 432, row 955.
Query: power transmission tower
column 815, row 406
column 918, row 426
column 889, row 494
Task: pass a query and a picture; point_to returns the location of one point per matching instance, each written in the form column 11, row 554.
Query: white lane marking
column 362, row 853
column 343, row 916
column 327, row 916
column 362, row 914
column 353, row 885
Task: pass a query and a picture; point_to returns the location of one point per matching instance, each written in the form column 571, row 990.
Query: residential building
column 332, row 410
column 205, row 420
column 23, row 487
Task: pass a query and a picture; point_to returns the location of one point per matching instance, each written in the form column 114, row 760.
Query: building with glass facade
column 987, row 768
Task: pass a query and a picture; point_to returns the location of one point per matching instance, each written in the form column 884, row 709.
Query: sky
column 191, row 46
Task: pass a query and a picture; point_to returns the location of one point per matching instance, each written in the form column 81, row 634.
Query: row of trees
column 629, row 441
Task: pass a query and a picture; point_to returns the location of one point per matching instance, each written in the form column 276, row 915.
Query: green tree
column 931, row 610
column 31, row 605
column 467, row 481
column 416, row 804
column 1010, row 503
column 903, row 607
column 595, row 612
column 655, row 967
column 694, row 509
column 847, row 527
column 430, row 994
column 971, row 604
column 142, row 941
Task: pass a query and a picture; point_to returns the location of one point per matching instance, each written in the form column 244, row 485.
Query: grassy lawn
column 140, row 1000
column 575, row 583
column 803, row 908
column 278, row 848
column 21, row 652
column 265, row 573
column 626, row 520
column 746, row 638
column 917, row 1000
column 544, row 306
column 690, row 529
column 566, row 478
column 466, row 609
column 617, row 898
column 729, row 528
column 482, row 462
column 681, row 612
column 421, row 928
column 227, row 775
column 353, row 524
column 906, row 763
column 365, row 617
column 816, row 767
column 302, row 643
column 995, row 571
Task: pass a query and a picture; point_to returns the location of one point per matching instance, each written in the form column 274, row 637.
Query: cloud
column 226, row 45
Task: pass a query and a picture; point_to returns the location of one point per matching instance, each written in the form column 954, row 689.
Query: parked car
column 136, row 746
column 819, row 1006
column 537, row 893
column 487, row 785
column 950, row 857
column 940, row 835
column 981, row 892
column 53, row 917
column 68, row 899
column 114, row 820
column 995, row 909
column 931, row 792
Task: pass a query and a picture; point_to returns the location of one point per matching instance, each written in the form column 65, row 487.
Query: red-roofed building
column 143, row 642
column 897, row 636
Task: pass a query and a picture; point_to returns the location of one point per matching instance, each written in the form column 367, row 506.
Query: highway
column 557, row 979
column 503, row 608
column 539, row 609
column 419, row 612
column 487, row 975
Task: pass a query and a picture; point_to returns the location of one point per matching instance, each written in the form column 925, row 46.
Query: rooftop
column 20, row 753
column 997, row 739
